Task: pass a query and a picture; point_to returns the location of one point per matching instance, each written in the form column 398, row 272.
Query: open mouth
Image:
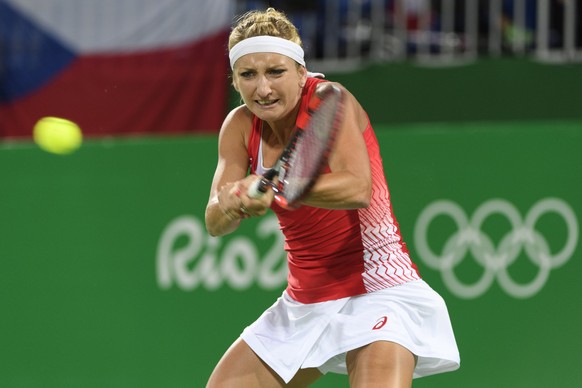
column 266, row 102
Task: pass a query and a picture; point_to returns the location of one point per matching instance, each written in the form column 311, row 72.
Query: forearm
column 220, row 221
column 340, row 190
column 223, row 213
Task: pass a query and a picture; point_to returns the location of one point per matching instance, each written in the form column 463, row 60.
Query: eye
column 246, row 74
column 277, row 71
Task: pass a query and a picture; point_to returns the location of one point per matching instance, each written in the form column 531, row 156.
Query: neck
column 282, row 130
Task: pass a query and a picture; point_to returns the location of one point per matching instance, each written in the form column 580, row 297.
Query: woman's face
column 270, row 84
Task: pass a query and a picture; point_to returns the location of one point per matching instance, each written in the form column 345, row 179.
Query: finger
column 244, row 211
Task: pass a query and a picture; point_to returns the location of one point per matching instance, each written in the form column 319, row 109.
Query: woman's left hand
column 254, row 207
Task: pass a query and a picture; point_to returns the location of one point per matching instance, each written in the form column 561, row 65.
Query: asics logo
column 470, row 240
column 380, row 323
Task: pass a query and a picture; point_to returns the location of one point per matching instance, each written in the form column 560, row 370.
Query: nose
column 263, row 87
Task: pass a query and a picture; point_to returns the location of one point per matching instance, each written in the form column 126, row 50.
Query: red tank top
column 333, row 254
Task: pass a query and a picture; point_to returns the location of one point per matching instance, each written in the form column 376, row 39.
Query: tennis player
column 355, row 303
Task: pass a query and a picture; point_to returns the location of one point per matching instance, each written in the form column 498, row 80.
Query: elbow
column 212, row 232
column 363, row 196
column 211, row 227
column 365, row 201
column 215, row 231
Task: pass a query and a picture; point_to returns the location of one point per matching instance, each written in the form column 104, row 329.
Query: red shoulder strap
column 254, row 142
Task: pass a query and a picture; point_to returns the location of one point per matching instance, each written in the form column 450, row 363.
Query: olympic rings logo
column 495, row 260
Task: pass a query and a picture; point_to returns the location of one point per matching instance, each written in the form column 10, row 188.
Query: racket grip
column 258, row 188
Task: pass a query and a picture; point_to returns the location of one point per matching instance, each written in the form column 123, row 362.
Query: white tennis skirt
column 291, row 335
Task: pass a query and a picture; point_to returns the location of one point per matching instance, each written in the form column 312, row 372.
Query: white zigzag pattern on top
column 386, row 263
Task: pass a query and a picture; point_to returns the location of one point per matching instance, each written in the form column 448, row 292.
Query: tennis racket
column 307, row 153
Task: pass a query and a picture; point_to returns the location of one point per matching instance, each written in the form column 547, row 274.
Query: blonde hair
column 257, row 23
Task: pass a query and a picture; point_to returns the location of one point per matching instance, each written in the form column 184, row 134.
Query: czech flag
column 114, row 66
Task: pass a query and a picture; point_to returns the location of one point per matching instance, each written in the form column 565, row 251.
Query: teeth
column 262, row 102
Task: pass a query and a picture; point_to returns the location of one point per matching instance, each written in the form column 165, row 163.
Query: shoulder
column 238, row 122
column 319, row 85
column 350, row 100
column 352, row 106
column 238, row 116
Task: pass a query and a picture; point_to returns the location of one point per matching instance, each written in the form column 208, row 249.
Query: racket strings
column 311, row 147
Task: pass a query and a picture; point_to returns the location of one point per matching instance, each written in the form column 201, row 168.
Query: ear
column 302, row 76
column 235, row 84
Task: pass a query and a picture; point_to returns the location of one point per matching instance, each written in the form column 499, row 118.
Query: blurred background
column 107, row 275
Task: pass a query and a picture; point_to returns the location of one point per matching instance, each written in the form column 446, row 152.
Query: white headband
column 266, row 44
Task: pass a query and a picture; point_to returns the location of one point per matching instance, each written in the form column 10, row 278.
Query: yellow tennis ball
column 57, row 135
